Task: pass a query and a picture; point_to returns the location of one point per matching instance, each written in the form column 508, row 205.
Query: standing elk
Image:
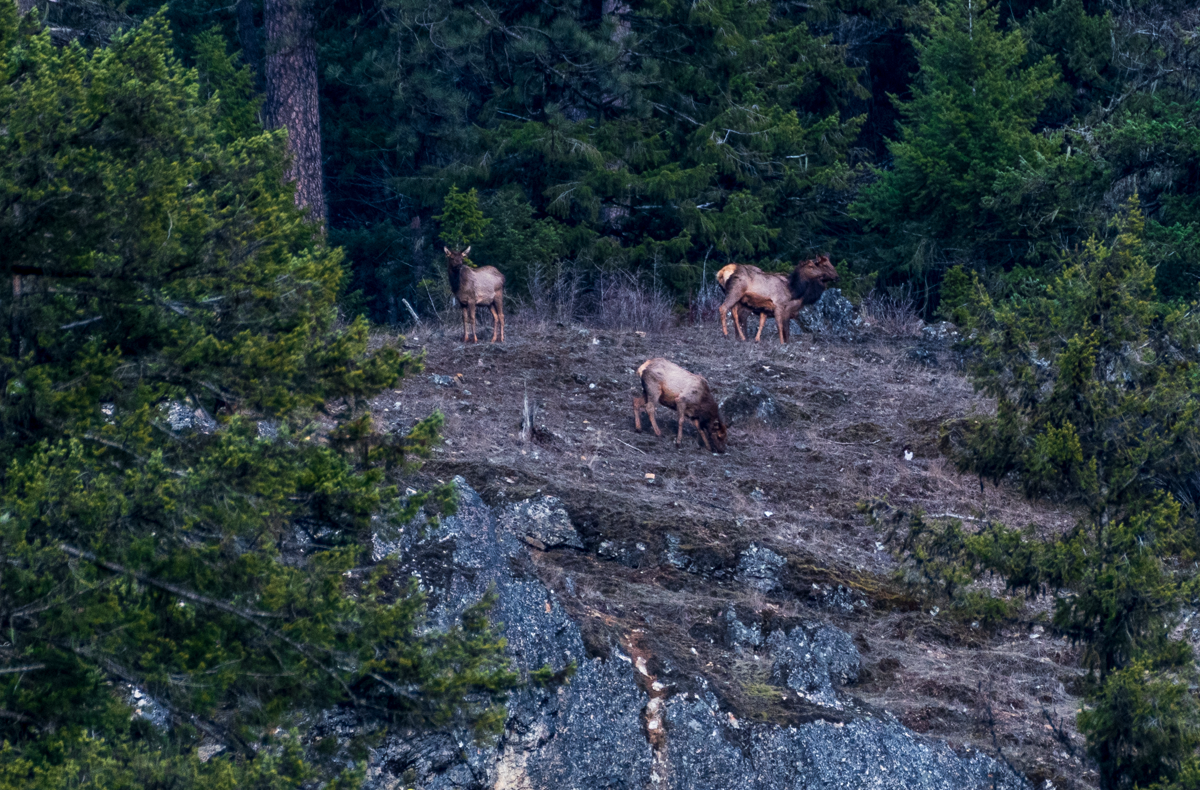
column 766, row 294
column 688, row 393
column 474, row 287
column 723, row 276
column 810, row 279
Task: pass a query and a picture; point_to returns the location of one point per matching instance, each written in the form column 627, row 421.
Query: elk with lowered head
column 475, row 287
column 665, row 382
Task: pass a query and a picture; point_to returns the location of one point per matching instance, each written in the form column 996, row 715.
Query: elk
column 474, row 287
column 759, row 292
column 665, row 382
column 809, row 279
column 723, row 276
column 765, row 293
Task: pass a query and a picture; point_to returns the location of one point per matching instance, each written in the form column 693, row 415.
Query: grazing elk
column 474, row 287
column 666, row 383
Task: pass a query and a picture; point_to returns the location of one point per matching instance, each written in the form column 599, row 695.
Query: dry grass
column 893, row 311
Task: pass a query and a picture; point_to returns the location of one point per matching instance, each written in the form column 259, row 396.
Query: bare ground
column 850, row 410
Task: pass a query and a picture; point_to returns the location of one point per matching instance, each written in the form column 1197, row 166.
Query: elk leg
column 703, row 435
column 495, row 323
column 732, row 297
column 466, row 325
column 781, row 320
column 639, row 405
column 474, row 319
column 652, row 394
column 500, row 310
column 737, row 320
column 762, row 321
column 681, row 408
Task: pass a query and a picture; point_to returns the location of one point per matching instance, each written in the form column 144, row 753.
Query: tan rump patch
column 643, row 366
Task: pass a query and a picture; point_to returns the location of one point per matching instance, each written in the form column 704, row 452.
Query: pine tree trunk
column 292, row 100
column 248, row 39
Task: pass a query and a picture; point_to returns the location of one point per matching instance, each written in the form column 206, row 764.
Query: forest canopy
column 667, row 138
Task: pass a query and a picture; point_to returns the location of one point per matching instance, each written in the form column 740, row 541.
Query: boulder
column 833, row 314
column 759, row 567
column 750, row 401
column 543, row 522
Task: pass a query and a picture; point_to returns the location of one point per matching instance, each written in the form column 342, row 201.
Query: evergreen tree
column 1097, row 405
column 190, row 476
column 967, row 129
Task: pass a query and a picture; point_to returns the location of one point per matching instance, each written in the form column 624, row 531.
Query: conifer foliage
column 189, row 474
column 1098, row 400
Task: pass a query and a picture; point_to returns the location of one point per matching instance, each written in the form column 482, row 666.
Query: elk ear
column 467, row 251
column 447, row 250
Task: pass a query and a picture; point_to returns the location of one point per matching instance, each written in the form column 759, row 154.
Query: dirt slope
column 667, row 557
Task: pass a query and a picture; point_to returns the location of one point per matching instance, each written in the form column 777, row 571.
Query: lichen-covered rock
column 584, row 734
column 738, row 633
column 834, row 314
column 543, row 522
column 941, row 332
column 759, row 567
column 750, row 401
column 706, row 752
column 813, row 661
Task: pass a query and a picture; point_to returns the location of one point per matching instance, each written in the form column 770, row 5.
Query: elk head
column 456, row 259
column 819, row 268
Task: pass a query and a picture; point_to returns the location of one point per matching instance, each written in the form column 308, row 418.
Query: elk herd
column 747, row 289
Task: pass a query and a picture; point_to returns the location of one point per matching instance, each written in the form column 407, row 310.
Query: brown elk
column 666, row 383
column 810, row 279
column 773, row 294
column 723, row 276
column 474, row 287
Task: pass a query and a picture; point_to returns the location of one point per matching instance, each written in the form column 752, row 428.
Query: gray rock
column 544, row 523
column 838, row 598
column 738, row 633
column 813, row 662
column 585, row 734
column 146, row 707
column 941, row 332
column 834, row 314
column 591, row 733
column 440, row 380
column 923, row 356
column 183, row 417
column 708, row 751
column 674, row 556
column 759, row 567
column 750, row 401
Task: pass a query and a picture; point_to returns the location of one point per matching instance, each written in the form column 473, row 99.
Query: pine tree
column 969, row 122
column 178, row 411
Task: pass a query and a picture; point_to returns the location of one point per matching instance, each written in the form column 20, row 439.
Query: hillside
column 767, row 535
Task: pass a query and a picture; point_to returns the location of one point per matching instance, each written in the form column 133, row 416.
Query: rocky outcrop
column 834, row 314
column 613, row 726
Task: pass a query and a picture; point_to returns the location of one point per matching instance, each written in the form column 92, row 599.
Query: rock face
column 602, row 730
column 833, row 314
